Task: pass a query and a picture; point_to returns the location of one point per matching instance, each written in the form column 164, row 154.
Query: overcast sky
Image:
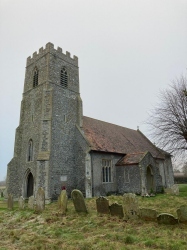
column 128, row 50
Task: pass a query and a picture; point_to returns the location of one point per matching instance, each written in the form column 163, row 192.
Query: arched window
column 35, row 78
column 106, row 171
column 30, row 151
column 64, row 78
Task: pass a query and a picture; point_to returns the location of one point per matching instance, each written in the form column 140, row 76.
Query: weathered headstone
column 78, row 201
column 21, row 202
column 167, row 219
column 102, row 205
column 5, row 194
column 116, row 210
column 10, row 202
column 182, row 214
column 148, row 214
column 62, row 201
column 40, row 200
column 31, row 202
column 131, row 207
column 172, row 190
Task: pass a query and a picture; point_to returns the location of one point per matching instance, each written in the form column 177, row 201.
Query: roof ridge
column 110, row 123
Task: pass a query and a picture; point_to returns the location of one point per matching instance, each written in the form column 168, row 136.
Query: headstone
column 148, row 214
column 78, row 201
column 21, row 202
column 167, row 219
column 40, row 200
column 10, row 202
column 116, row 210
column 62, row 201
column 5, row 194
column 102, row 205
column 31, row 202
column 182, row 214
column 172, row 190
column 131, row 207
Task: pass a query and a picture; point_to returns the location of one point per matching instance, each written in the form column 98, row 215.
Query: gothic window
column 30, row 151
column 106, row 171
column 64, row 78
column 35, row 78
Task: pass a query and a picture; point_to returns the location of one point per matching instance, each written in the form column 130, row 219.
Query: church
column 57, row 147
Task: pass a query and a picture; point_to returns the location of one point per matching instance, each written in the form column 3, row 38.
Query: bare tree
column 168, row 120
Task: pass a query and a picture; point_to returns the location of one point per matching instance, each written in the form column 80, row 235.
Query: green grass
column 25, row 229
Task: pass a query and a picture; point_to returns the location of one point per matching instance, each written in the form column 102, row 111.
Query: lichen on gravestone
column 116, row 210
column 40, row 200
column 78, row 201
column 21, row 202
column 62, row 201
column 102, row 205
column 182, row 214
column 167, row 219
column 31, row 202
column 131, row 207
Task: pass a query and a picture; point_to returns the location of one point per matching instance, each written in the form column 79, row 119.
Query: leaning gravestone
column 167, row 219
column 31, row 202
column 40, row 200
column 148, row 214
column 10, row 202
column 131, row 207
column 62, row 201
column 21, row 202
column 182, row 214
column 102, row 205
column 172, row 190
column 116, row 210
column 78, row 201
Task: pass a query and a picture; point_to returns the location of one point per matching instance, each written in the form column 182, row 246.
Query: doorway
column 30, row 185
column 150, row 180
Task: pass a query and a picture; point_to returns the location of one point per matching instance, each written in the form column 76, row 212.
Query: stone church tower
column 51, row 108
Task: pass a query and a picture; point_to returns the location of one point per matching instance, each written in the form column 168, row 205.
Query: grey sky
column 128, row 50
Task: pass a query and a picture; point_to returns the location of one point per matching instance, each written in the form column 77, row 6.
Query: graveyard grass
column 26, row 229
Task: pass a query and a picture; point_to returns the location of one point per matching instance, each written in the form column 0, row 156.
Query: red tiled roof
column 107, row 137
column 131, row 159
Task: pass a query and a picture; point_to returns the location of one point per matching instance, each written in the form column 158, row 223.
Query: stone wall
column 128, row 179
column 100, row 188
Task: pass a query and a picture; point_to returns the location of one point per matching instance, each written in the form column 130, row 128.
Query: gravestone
column 78, row 201
column 21, row 202
column 131, row 207
column 62, row 201
column 172, row 190
column 167, row 219
column 116, row 210
column 148, row 214
column 182, row 214
column 5, row 194
column 10, row 202
column 102, row 205
column 31, row 202
column 40, row 200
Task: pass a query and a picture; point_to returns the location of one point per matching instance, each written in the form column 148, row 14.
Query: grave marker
column 78, row 201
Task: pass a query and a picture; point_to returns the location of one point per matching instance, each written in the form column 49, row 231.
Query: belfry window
column 64, row 78
column 30, row 151
column 106, row 171
column 35, row 78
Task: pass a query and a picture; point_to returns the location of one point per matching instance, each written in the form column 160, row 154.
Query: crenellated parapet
column 49, row 48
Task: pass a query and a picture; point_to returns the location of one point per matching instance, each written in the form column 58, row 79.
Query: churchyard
column 53, row 227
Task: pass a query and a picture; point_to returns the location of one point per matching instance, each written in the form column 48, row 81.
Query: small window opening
column 30, row 151
column 64, row 78
column 35, row 78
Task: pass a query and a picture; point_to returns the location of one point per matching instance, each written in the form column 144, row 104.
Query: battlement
column 49, row 48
